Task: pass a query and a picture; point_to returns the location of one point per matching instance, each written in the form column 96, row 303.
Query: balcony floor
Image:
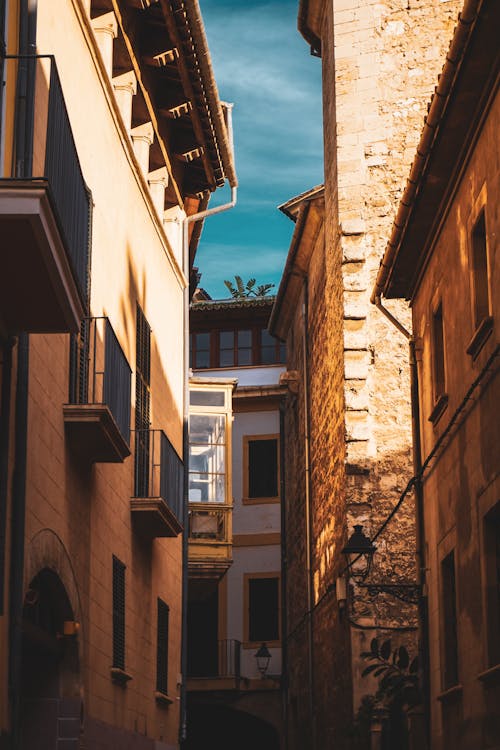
column 94, row 434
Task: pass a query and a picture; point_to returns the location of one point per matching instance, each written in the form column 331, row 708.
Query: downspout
column 308, row 514
column 24, row 107
column 284, row 571
column 185, row 534
column 419, row 513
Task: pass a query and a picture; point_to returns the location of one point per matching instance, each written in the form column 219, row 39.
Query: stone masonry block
column 356, row 364
column 357, row 426
column 355, row 277
column 356, row 396
column 355, row 305
column 353, row 227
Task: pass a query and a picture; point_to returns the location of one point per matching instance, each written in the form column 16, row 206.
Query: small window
column 226, row 349
column 449, row 622
column 200, row 350
column 263, row 623
column 118, row 614
column 438, row 367
column 481, row 297
column 244, row 348
column 492, row 555
column 261, row 481
column 162, row 648
column 272, row 351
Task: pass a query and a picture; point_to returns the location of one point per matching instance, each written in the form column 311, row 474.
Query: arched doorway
column 50, row 699
column 226, row 729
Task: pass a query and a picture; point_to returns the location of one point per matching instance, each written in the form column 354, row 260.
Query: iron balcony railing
column 99, row 371
column 225, row 662
column 43, row 150
column 159, row 472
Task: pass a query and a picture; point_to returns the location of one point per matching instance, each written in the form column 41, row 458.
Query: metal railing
column 99, row 371
column 44, row 150
column 225, row 662
column 159, row 472
column 209, row 522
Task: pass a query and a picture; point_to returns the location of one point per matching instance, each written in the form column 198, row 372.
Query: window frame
column 119, row 618
column 162, row 646
column 214, row 348
column 481, row 329
column 247, row 577
column 488, row 506
column 246, row 499
column 439, row 395
column 449, row 551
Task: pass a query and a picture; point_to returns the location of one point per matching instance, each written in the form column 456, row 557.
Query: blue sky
column 263, row 65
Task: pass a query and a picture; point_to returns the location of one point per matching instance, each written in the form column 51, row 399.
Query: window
column 438, row 365
column 492, row 560
column 200, row 350
column 162, row 648
column 438, row 353
column 142, row 404
column 118, row 614
column 449, row 622
column 272, row 351
column 235, row 348
column 480, row 291
column 261, row 468
column 262, row 599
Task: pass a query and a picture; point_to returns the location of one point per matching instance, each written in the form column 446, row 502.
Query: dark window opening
column 118, row 614
column 449, row 615
column 492, row 560
column 263, row 468
column 162, row 648
column 200, row 350
column 263, row 606
column 438, row 353
column 481, row 299
column 244, row 347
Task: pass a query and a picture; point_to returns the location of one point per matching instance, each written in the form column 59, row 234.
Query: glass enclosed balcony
column 45, row 205
column 210, row 496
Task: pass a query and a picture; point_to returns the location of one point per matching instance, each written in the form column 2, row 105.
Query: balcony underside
column 153, row 518
column 38, row 290
column 207, row 566
column 94, row 434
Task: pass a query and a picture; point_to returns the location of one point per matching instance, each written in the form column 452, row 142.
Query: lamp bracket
column 405, row 592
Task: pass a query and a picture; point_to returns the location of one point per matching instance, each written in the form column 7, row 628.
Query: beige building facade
column 112, row 133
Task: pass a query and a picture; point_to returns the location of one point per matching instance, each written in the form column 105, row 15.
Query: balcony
column 97, row 419
column 217, row 668
column 157, row 504
column 45, row 206
column 210, row 539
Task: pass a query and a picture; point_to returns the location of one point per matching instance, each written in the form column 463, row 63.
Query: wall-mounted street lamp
column 359, row 552
column 263, row 657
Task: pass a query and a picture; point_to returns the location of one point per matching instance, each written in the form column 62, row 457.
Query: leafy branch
column 398, row 674
column 247, row 290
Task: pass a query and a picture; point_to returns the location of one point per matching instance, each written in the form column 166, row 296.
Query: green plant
column 247, row 290
column 397, row 672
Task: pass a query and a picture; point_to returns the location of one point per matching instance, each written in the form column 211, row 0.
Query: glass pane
column 207, row 428
column 202, row 359
column 245, row 339
column 226, row 358
column 207, row 488
column 266, row 339
column 202, row 341
column 210, row 458
column 268, row 355
column 244, row 356
column 282, row 352
column 226, row 339
column 206, row 398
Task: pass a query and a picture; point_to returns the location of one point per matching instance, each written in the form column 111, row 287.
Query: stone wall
column 387, row 59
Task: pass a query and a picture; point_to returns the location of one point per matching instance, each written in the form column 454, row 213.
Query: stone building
column 110, row 126
column 235, row 561
column 379, row 64
column 442, row 256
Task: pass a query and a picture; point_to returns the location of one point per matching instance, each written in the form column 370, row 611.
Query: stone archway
column 210, row 725
column 52, row 696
